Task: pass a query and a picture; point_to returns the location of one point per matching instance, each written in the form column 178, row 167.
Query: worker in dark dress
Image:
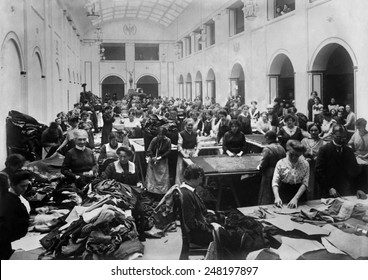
column 14, row 216
column 79, row 164
column 108, row 119
column 337, row 169
column 233, row 143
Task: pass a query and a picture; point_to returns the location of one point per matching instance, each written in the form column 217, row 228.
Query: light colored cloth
column 289, row 173
column 157, row 177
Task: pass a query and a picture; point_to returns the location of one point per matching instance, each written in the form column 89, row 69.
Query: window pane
column 146, row 51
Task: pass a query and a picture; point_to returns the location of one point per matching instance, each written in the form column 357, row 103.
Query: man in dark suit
column 337, row 170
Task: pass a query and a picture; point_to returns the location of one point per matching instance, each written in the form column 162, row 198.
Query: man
column 337, row 168
column 14, row 212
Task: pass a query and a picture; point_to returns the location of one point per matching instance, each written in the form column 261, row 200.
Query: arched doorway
column 281, row 78
column 333, row 75
column 35, row 89
column 211, row 85
column 149, row 85
column 111, row 85
column 237, row 82
column 198, row 86
column 188, row 89
column 181, row 87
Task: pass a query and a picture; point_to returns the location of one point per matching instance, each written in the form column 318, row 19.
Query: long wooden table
column 223, row 165
column 349, row 245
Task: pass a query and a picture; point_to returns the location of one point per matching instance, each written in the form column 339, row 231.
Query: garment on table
column 234, row 142
column 157, row 178
column 286, row 134
column 13, row 222
column 271, row 154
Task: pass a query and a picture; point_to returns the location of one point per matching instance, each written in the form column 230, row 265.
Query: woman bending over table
column 291, row 176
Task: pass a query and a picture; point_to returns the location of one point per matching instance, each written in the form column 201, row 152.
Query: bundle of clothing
column 102, row 233
column 151, row 126
column 23, row 135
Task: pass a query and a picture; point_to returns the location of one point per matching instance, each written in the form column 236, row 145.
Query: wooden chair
column 188, row 248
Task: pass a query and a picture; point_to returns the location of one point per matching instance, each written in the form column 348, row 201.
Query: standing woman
column 245, row 120
column 108, row 119
column 157, row 178
column 271, row 154
column 312, row 145
column 291, row 176
column 234, row 143
column 187, row 147
column 289, row 131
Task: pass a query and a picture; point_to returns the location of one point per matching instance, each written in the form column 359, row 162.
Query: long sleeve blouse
column 159, row 147
column 234, row 142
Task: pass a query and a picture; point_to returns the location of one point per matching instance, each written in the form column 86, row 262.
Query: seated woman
column 122, row 170
column 79, row 164
column 157, row 177
column 312, row 145
column 187, row 147
column 289, row 131
column 195, row 214
column 234, row 143
column 271, row 154
column 245, row 120
column 359, row 140
column 291, row 176
column 132, row 125
column 14, row 215
column 108, row 151
column 263, row 123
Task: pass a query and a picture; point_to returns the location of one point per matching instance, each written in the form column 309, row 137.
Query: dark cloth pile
column 151, row 126
column 241, row 236
column 23, row 135
column 109, row 234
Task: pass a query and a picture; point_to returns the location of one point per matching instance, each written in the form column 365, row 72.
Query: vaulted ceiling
column 101, row 11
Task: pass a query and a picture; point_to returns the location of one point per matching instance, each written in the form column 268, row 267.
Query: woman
column 132, row 125
column 198, row 124
column 326, row 127
column 254, row 113
column 69, row 138
column 245, row 120
column 271, row 154
column 234, row 143
column 207, row 123
column 108, row 151
column 51, row 139
column 223, row 124
column 359, row 140
column 108, row 119
column 264, row 124
column 14, row 215
column 317, row 109
column 312, row 145
column 79, row 164
column 289, row 131
column 86, row 124
column 157, row 178
column 122, row 170
column 187, row 147
column 291, row 176
column 350, row 118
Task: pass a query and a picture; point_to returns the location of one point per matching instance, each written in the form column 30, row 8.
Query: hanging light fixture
column 250, row 9
column 91, row 13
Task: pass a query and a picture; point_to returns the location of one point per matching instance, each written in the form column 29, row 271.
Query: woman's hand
column 230, row 154
column 293, row 203
column 278, row 202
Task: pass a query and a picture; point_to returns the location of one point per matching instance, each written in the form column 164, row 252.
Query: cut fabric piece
column 355, row 246
column 331, row 248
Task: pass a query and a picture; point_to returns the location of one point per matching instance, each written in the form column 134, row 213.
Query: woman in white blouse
column 291, row 176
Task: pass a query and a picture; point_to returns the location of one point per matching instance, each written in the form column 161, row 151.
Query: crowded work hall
column 183, row 130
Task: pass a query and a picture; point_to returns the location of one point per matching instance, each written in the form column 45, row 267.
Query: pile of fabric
column 23, row 135
column 106, row 232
